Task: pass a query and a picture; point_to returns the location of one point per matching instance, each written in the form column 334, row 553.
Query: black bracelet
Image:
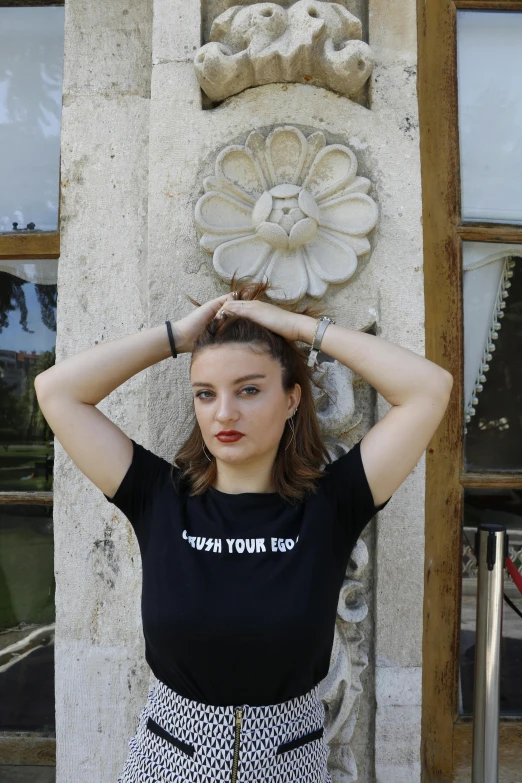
column 171, row 339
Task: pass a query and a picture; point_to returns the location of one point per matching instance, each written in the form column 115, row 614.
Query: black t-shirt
column 240, row 591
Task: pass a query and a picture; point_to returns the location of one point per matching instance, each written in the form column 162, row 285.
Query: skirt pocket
column 303, row 740
column 155, row 727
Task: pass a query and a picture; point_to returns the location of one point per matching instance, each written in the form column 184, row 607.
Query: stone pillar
column 399, row 554
column 101, row 682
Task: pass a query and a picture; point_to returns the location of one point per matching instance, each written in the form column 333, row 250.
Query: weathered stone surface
column 102, row 295
column 398, row 716
column 110, row 54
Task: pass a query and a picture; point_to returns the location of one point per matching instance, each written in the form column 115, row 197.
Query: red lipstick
column 229, row 436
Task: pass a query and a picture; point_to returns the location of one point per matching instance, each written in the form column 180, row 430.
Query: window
column 470, row 99
column 31, row 58
column 31, row 64
column 489, row 63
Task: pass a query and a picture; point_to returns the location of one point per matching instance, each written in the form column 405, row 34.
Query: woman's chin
column 228, row 454
column 234, row 452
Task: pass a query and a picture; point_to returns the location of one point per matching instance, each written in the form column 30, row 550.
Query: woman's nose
column 226, row 409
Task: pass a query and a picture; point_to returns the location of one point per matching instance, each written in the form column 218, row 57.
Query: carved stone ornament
column 311, row 41
column 341, row 689
column 288, row 208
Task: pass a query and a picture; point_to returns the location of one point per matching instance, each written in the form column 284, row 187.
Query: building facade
column 363, row 154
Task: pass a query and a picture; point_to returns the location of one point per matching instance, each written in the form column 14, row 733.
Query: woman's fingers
column 221, row 303
column 217, row 303
column 241, row 307
column 268, row 315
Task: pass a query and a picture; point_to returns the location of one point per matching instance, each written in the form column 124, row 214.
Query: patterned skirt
column 182, row 740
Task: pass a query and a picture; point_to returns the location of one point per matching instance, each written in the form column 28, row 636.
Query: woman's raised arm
column 417, row 389
column 90, row 375
column 68, row 392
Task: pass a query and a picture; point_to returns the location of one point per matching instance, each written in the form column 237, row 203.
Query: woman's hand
column 187, row 329
column 290, row 325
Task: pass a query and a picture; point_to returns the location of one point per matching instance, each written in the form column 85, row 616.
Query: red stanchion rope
column 513, row 571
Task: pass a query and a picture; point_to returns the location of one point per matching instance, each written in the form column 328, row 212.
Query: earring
column 205, row 452
column 290, row 422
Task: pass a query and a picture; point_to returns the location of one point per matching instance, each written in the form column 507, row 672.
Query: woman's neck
column 254, row 475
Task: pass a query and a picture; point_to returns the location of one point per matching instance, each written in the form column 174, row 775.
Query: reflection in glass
column 31, row 64
column 27, row 618
column 27, row 347
column 492, row 291
column 489, row 62
column 503, row 507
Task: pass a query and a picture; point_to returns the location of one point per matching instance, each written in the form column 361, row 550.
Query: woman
column 245, row 540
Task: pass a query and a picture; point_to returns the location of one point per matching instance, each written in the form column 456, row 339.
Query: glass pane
column 492, row 291
column 27, row 618
column 489, row 61
column 503, row 507
column 27, row 347
column 31, row 64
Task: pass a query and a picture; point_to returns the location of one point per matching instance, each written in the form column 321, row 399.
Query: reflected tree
column 34, row 424
column 11, row 414
column 20, row 416
column 12, row 297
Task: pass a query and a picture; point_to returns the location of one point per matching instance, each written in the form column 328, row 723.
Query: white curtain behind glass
column 43, row 271
column 489, row 57
column 486, row 272
column 31, row 64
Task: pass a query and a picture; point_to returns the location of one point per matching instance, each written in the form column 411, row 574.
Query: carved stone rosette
column 288, row 208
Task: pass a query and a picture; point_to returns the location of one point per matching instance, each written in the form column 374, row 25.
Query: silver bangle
column 322, row 324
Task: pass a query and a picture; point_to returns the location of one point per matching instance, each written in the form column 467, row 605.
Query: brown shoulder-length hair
column 296, row 469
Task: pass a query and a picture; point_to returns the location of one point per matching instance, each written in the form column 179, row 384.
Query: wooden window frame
column 29, row 747
column 22, row 3
column 446, row 737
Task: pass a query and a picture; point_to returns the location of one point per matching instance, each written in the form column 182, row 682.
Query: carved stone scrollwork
column 341, row 689
column 288, row 208
column 335, row 403
column 311, row 41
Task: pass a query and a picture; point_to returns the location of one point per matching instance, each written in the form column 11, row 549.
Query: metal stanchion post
column 491, row 549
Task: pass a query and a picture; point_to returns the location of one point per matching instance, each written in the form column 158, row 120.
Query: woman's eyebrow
column 250, row 377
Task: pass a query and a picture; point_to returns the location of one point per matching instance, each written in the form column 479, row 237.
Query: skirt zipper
column 238, row 718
